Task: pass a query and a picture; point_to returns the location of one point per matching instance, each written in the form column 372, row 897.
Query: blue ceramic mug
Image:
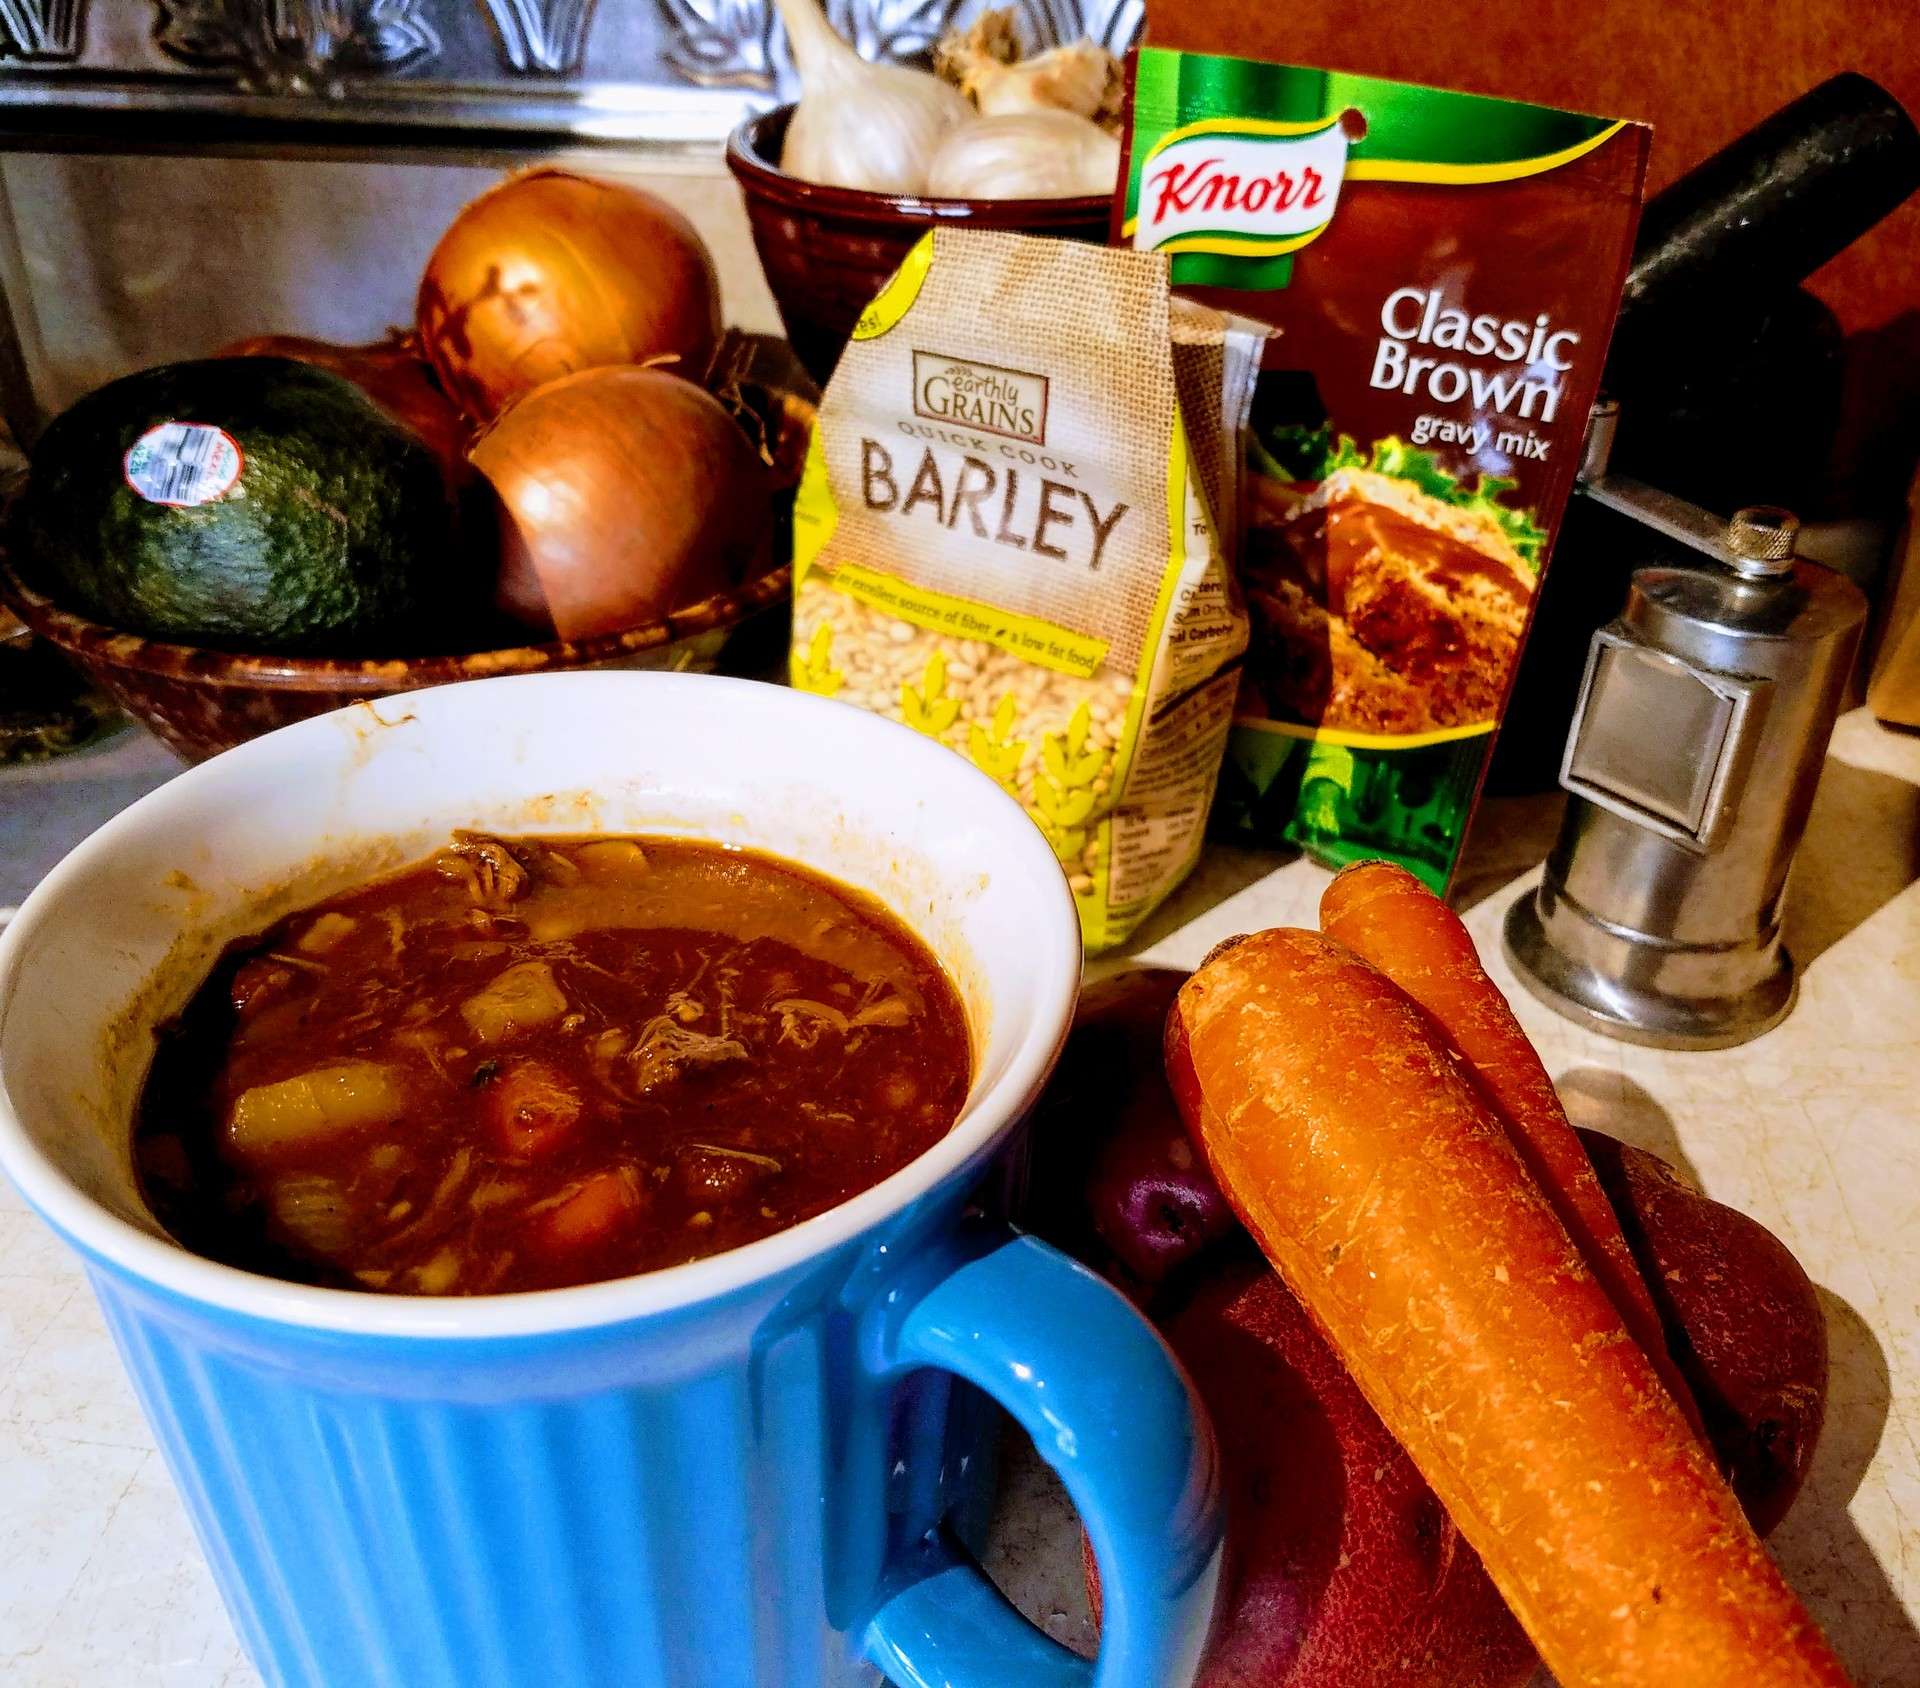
column 754, row 1471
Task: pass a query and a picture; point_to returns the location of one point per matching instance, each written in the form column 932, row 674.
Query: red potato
column 1115, row 1180
column 1343, row 1570
column 1743, row 1322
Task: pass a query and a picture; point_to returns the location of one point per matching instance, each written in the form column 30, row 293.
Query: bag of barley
column 1013, row 535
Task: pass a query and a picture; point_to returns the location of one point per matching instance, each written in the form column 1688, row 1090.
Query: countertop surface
column 1814, row 1129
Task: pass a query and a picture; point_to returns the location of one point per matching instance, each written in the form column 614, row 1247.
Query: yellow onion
column 550, row 273
column 392, row 373
column 626, row 493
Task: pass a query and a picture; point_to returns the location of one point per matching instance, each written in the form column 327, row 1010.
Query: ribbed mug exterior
column 698, row 1499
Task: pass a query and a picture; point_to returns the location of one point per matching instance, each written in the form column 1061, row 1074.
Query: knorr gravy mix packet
column 1445, row 268
column 1009, row 536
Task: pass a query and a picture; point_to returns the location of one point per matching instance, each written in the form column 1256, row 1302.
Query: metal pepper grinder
column 1697, row 742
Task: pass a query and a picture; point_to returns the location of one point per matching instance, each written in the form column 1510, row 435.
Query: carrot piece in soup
column 602, row 1204
column 530, row 1108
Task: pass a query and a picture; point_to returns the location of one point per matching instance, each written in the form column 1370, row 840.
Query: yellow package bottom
column 1058, row 741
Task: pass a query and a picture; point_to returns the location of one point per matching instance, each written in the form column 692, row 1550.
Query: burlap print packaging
column 1014, row 534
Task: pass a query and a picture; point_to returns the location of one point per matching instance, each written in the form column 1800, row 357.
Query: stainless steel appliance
column 1697, row 742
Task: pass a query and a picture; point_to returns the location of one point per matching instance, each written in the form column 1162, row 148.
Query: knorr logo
column 1240, row 186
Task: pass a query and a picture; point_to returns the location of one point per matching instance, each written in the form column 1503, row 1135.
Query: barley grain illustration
column 927, row 708
column 994, row 749
column 816, row 670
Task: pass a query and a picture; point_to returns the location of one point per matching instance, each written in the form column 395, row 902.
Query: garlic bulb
column 984, row 64
column 1081, row 78
column 1032, row 155
column 860, row 125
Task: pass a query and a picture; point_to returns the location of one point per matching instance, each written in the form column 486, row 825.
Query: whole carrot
column 1384, row 915
column 1376, row 1176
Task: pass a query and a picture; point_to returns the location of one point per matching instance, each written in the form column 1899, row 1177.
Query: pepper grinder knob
column 1759, row 541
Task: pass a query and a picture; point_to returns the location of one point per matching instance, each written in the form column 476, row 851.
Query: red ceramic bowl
column 827, row 251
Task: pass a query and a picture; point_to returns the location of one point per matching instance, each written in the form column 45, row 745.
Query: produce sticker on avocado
column 183, row 464
column 1444, row 269
column 257, row 504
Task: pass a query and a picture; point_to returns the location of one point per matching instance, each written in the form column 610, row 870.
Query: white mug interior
column 119, row 935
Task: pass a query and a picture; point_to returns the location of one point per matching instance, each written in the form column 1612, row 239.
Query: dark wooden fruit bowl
column 201, row 701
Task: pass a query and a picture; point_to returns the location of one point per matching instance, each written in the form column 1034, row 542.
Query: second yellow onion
column 626, row 493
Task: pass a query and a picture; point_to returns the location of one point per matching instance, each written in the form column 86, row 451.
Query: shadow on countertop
column 1837, row 886
column 1605, row 1099
column 1819, row 1546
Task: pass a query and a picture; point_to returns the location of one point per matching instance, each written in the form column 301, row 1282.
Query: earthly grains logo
column 1241, row 187
column 1009, row 402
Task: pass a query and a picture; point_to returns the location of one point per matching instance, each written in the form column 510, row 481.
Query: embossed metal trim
column 296, row 46
column 721, row 43
column 298, row 73
column 44, row 30
column 542, row 37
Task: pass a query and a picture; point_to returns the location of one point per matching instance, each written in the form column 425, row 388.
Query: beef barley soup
column 535, row 1062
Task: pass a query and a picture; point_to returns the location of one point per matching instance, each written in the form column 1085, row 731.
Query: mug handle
column 1109, row 1408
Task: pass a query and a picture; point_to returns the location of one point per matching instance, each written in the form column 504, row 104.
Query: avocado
column 252, row 503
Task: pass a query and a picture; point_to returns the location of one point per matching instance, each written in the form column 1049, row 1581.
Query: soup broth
column 536, row 1062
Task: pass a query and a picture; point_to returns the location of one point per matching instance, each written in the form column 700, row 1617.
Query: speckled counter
column 1814, row 1129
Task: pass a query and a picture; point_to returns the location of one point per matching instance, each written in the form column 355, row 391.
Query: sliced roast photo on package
column 1444, row 269
column 1015, row 534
